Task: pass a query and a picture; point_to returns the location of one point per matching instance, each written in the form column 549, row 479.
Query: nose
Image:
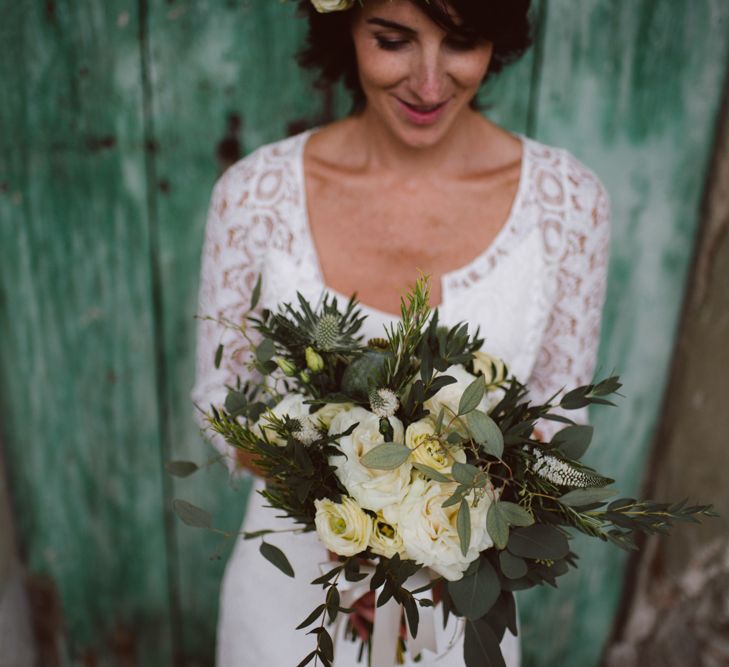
column 428, row 75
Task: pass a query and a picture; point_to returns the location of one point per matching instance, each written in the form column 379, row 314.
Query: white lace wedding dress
column 537, row 293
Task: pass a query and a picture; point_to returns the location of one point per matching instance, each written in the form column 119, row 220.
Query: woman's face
column 417, row 78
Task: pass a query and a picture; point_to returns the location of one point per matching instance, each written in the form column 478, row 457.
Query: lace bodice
column 537, row 291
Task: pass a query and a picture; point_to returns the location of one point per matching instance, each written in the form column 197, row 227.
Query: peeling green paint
column 122, row 115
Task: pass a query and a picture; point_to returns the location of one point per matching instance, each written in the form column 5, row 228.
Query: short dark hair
column 329, row 49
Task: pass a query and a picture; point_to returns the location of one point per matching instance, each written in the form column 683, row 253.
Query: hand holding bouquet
column 415, row 459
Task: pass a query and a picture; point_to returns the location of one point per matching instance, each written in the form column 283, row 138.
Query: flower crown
column 324, row 6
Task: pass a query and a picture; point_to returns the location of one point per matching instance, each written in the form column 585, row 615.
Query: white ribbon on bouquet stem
column 386, row 624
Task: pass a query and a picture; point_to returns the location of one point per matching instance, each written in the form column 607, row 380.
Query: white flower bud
column 343, row 528
column 314, row 360
column 493, row 369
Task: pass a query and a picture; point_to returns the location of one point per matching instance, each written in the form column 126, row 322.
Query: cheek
column 470, row 71
column 378, row 68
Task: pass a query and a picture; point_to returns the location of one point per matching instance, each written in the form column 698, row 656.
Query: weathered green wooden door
column 115, row 121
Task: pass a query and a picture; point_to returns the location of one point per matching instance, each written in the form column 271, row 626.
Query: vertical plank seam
column 537, row 62
column 158, row 331
column 636, row 560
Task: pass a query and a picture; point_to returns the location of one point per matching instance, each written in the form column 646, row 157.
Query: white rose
column 324, row 6
column 385, row 539
column 420, row 437
column 343, row 528
column 493, row 369
column 372, row 489
column 450, row 396
column 292, row 406
column 429, row 532
column 328, row 411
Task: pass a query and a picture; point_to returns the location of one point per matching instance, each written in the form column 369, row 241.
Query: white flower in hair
column 324, row 6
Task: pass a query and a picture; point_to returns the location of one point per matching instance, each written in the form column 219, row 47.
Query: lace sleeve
column 568, row 352
column 232, row 255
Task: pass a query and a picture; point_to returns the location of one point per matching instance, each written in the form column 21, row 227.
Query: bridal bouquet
column 416, row 459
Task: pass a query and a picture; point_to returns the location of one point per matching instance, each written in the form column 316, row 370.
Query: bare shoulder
column 499, row 145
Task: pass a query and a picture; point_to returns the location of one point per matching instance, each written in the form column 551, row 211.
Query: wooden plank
column 77, row 367
column 223, row 82
column 632, row 89
column 674, row 580
column 16, row 637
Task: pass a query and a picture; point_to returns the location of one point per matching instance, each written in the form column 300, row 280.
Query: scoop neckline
column 490, row 250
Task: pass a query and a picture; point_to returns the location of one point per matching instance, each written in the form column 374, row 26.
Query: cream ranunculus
column 292, row 405
column 343, row 528
column 328, row 411
column 324, row 6
column 385, row 540
column 450, row 396
column 420, row 437
column 429, row 532
column 372, row 489
column 493, row 369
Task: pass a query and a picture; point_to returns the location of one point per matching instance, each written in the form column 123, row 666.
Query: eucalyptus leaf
column 497, row 526
column 486, row 433
column 309, row 657
column 191, row 514
column 575, row 399
column 431, row 473
column 439, row 420
column 454, row 438
column 472, row 396
column 313, row 616
column 579, row 497
column 387, row 456
column 481, row 646
column 256, row 294
column 463, row 525
column 236, row 403
column 539, row 541
column 474, row 595
column 464, row 473
column 573, row 441
column 326, row 645
column 181, row 468
column 275, row 556
column 456, row 497
column 515, row 514
column 607, row 386
column 512, row 566
column 218, row 355
column 265, row 351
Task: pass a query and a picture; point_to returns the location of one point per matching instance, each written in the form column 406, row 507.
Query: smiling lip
column 420, row 114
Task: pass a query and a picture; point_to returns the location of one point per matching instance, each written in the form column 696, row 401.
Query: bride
column 513, row 233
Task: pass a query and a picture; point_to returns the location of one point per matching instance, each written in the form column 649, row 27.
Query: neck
column 383, row 150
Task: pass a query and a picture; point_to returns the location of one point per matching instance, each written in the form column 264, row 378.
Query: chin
column 420, row 138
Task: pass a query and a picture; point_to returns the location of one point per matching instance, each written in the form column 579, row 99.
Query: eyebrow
column 391, row 24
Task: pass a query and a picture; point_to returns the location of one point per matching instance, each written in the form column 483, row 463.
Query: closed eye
column 390, row 44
